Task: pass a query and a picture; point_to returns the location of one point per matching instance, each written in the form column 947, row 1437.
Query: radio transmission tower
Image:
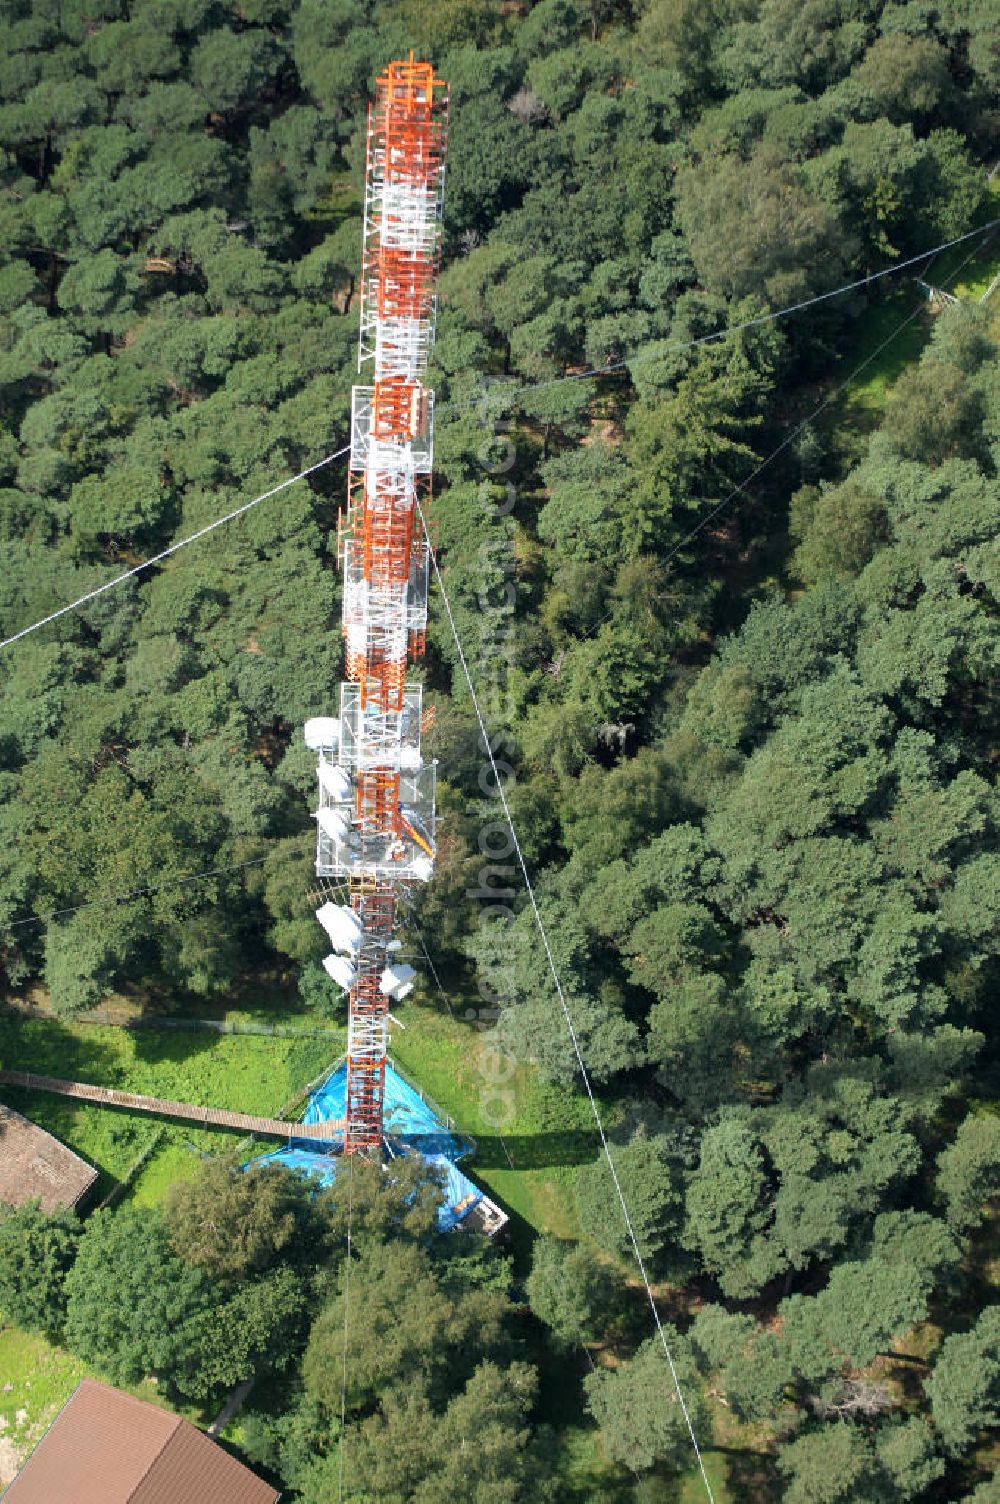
column 375, row 820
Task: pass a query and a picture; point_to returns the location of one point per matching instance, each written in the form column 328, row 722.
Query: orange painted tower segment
column 381, row 833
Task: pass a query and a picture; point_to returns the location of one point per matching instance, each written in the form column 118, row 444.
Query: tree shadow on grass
column 107, row 1145
column 751, row 1475
column 174, row 1046
column 109, row 1138
column 537, row 1151
column 49, row 1047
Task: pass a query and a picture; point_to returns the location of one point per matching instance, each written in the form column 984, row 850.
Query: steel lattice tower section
column 376, row 820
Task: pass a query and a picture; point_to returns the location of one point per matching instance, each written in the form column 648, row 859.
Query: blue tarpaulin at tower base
column 409, row 1124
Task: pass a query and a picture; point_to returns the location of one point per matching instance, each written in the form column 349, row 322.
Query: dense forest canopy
column 752, row 734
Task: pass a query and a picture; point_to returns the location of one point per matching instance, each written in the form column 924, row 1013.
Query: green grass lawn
column 175, row 1159
column 891, row 334
column 256, row 1073
column 36, row 1380
column 974, row 264
column 247, row 1073
column 691, row 1485
column 548, row 1133
column 888, row 338
column 528, row 1160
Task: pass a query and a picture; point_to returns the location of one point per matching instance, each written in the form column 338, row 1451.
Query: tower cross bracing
column 376, row 808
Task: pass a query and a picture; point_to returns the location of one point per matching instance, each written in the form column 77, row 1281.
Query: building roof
column 36, row 1166
column 105, row 1447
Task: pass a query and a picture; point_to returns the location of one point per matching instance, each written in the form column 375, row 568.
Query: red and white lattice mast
column 375, row 821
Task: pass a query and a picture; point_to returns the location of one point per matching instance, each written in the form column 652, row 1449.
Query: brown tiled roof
column 105, row 1447
column 36, row 1166
column 193, row 1470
